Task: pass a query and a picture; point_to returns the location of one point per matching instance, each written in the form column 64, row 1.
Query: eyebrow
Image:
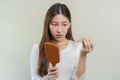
column 57, row 22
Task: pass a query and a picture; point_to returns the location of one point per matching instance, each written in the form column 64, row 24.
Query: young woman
column 57, row 30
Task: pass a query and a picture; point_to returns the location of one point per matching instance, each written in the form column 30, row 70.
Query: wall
column 21, row 24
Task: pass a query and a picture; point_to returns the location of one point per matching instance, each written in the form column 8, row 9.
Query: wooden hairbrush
column 52, row 53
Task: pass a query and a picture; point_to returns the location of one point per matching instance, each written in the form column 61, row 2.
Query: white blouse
column 67, row 66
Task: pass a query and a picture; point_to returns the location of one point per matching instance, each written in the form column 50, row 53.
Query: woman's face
column 59, row 27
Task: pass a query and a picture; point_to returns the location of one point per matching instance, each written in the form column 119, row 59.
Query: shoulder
column 35, row 46
column 35, row 50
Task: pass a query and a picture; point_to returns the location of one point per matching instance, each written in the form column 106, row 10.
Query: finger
column 53, row 77
column 85, row 44
column 53, row 71
column 50, row 64
column 91, row 44
column 88, row 44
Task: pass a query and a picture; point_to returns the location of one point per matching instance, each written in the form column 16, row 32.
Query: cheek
column 52, row 31
column 66, row 29
column 50, row 28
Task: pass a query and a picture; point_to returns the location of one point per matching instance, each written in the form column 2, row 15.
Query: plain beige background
column 21, row 25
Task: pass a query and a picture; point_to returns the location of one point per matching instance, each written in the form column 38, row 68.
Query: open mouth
column 58, row 36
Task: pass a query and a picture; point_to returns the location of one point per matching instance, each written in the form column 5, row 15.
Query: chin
column 60, row 39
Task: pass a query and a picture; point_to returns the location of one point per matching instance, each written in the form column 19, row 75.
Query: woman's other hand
column 87, row 46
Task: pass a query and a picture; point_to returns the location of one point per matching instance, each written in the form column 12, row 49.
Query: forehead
column 60, row 18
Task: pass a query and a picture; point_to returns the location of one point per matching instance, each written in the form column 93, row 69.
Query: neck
column 59, row 43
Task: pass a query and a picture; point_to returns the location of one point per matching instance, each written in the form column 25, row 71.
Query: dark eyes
column 54, row 24
column 64, row 24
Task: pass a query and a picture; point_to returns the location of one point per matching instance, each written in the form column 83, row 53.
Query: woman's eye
column 64, row 24
column 55, row 24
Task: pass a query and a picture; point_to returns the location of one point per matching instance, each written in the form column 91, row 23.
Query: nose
column 59, row 29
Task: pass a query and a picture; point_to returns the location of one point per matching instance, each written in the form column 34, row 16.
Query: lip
column 59, row 36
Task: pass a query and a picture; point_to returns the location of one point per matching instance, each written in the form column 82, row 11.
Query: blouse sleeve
column 78, row 48
column 34, row 64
